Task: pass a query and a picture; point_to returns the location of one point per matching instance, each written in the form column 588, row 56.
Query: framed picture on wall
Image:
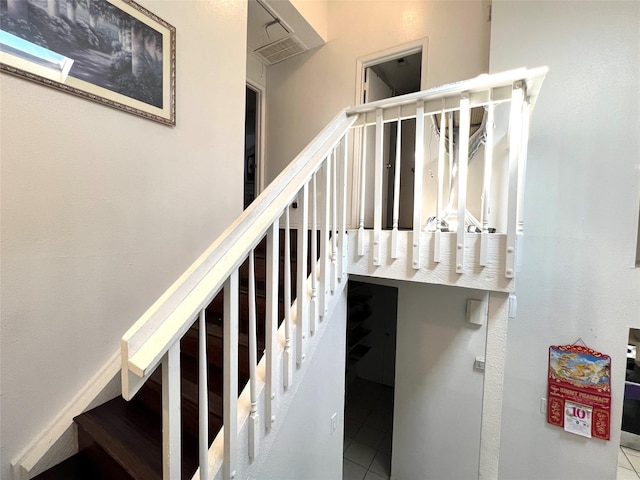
column 114, row 52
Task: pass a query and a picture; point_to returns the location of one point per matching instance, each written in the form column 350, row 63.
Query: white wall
column 102, row 210
column 438, row 394
column 304, row 446
column 581, row 213
column 316, row 13
column 307, row 91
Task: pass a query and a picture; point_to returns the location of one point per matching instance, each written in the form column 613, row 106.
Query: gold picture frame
column 124, row 56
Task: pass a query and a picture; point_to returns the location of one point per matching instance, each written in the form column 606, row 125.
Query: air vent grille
column 281, row 50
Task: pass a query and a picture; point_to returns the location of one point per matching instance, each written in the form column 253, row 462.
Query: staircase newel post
column 515, row 137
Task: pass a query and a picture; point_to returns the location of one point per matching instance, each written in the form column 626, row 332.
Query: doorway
column 394, row 72
column 251, row 143
column 369, row 379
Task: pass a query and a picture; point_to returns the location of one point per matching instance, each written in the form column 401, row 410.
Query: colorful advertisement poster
column 579, row 391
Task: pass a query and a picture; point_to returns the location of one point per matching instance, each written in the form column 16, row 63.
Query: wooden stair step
column 190, row 342
column 215, row 310
column 87, row 464
column 132, row 436
column 150, row 397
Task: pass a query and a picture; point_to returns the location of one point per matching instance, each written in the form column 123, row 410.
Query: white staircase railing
column 155, row 338
column 456, row 212
column 318, row 180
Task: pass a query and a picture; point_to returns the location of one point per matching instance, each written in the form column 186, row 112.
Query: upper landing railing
column 449, row 161
column 319, row 181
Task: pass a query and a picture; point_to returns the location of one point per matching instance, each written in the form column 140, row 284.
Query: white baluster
column 230, row 376
column 288, row 354
column 253, row 359
column 313, row 318
column 515, row 127
column 463, row 163
column 417, row 185
column 377, row 190
column 203, row 398
column 396, row 192
column 301, row 283
column 343, row 210
column 486, row 183
column 271, row 337
column 171, row 450
column 325, row 266
column 439, row 199
column 334, row 221
column 363, row 183
column 522, row 170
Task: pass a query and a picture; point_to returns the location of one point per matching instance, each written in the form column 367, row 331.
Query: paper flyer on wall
column 579, row 390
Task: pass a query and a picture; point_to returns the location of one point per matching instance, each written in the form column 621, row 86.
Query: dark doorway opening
column 250, row 142
column 370, row 378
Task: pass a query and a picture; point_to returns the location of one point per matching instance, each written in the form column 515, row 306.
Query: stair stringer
column 59, row 439
column 284, row 398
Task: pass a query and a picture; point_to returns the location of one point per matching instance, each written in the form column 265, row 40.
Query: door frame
column 362, row 63
column 260, row 133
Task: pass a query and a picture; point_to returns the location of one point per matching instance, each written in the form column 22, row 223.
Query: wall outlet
column 334, row 422
column 543, row 406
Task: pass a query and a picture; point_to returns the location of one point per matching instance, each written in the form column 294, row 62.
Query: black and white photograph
column 111, row 48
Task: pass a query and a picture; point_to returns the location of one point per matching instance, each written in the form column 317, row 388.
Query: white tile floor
column 628, row 464
column 367, row 431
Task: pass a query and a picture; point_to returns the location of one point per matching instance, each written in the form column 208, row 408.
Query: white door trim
column 399, row 51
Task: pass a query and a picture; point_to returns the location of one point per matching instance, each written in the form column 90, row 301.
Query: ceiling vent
column 281, row 49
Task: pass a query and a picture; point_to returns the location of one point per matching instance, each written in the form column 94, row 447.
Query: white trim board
column 59, row 440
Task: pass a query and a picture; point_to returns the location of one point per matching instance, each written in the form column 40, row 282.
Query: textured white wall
column 438, row 396
column 308, row 90
column 102, row 210
column 581, row 211
column 316, row 12
column 303, row 446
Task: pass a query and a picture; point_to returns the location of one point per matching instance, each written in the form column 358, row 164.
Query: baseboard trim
column 58, row 440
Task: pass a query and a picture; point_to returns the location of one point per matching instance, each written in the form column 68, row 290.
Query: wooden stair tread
column 132, row 436
column 123, row 440
column 83, row 466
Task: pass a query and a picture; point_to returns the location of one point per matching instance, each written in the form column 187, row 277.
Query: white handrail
column 167, row 320
column 532, row 77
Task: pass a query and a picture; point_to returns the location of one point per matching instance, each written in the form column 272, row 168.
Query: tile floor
column 368, row 422
column 628, row 464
